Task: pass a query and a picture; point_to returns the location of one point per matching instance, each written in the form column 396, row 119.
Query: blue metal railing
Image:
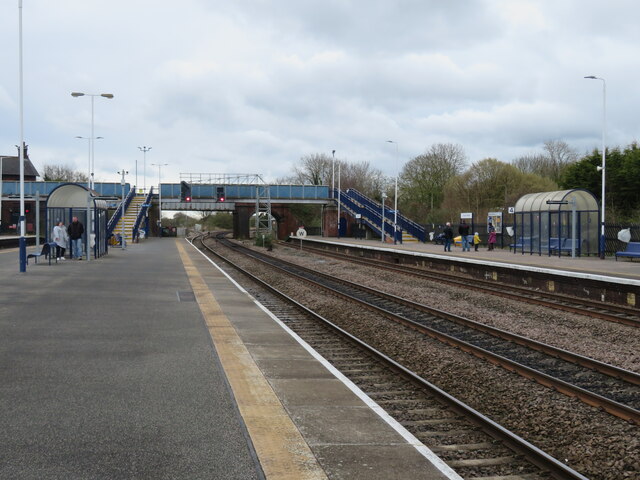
column 403, row 222
column 142, row 213
column 368, row 216
column 115, row 218
column 111, row 189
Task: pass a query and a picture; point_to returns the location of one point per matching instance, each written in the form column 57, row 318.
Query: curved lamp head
column 77, row 94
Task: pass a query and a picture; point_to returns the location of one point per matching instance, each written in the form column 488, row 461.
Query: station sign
column 466, row 215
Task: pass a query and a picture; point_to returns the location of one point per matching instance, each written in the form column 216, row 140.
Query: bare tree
column 423, row 179
column 551, row 163
column 62, row 173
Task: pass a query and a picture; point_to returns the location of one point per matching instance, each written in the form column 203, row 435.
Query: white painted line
column 408, row 436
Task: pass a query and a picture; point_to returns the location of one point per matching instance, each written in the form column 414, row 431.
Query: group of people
column 463, row 231
column 61, row 237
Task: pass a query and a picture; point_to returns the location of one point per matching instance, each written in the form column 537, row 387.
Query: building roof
column 11, row 166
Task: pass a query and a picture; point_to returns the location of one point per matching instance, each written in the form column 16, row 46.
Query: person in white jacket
column 61, row 238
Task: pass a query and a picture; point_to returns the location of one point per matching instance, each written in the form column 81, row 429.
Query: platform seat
column 48, row 251
column 523, row 243
column 632, row 251
column 562, row 245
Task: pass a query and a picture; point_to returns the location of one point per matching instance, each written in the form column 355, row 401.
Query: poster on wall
column 495, row 218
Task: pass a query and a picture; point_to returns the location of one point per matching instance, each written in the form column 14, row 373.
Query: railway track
column 470, row 443
column 598, row 384
column 604, row 311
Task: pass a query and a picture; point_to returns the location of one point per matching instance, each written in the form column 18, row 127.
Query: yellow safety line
column 280, row 447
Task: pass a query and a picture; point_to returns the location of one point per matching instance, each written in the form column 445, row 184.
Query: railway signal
column 185, row 192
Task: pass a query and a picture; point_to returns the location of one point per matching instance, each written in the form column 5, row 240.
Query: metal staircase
column 130, row 217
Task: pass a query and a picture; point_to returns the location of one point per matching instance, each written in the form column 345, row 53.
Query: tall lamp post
column 159, row 165
column 92, row 137
column 23, row 240
column 1, row 159
column 395, row 204
column 333, row 172
column 144, row 151
column 123, row 241
column 602, row 168
column 91, row 142
column 90, row 181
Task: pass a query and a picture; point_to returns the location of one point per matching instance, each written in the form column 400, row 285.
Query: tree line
column 435, row 186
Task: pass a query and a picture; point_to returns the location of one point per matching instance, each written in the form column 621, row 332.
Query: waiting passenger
column 60, row 237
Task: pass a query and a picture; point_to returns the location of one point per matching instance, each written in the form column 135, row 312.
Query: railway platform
column 587, row 277
column 151, row 363
column 583, row 265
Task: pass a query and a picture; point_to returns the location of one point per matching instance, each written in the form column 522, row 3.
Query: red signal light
column 187, row 199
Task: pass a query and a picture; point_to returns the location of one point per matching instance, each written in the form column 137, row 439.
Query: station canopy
column 550, row 222
column 554, row 201
column 73, row 195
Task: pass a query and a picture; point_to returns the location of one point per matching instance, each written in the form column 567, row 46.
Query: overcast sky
column 250, row 86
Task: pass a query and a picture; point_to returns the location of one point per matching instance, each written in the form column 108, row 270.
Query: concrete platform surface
column 623, row 268
column 150, row 363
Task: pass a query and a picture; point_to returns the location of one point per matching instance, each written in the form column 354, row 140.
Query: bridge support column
column 330, row 221
column 241, row 217
column 287, row 223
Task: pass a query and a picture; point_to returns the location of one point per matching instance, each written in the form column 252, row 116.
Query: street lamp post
column 90, row 180
column 91, row 142
column 1, row 159
column 395, row 202
column 159, row 165
column 384, row 195
column 338, row 200
column 23, row 240
column 333, row 172
column 123, row 242
column 144, row 151
column 602, row 168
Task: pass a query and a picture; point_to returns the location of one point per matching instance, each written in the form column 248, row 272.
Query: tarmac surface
column 151, row 363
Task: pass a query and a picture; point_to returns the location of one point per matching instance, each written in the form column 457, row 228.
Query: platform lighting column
column 159, row 165
column 338, row 199
column 23, row 240
column 604, row 158
column 91, row 163
column 395, row 202
column 1, row 159
column 384, row 195
column 144, row 151
column 333, row 173
column 122, row 172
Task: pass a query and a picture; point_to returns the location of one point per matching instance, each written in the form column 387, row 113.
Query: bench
column 524, row 244
column 632, row 251
column 48, row 250
column 562, row 245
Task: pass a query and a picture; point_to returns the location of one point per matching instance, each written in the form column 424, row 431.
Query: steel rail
column 608, row 312
column 591, row 398
column 536, row 456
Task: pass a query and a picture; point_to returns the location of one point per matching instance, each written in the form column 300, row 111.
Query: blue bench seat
column 48, row 251
column 632, row 251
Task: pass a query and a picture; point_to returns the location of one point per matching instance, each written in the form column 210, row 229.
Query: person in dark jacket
column 463, row 231
column 75, row 231
column 448, row 237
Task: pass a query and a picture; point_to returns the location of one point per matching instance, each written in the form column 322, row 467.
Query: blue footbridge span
column 344, row 212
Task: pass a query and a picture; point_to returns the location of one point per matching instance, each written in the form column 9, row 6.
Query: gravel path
column 594, row 443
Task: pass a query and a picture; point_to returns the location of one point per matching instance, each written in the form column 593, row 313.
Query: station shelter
column 546, row 222
column 75, row 200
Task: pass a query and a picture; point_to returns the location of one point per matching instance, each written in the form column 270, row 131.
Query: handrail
column 368, row 216
column 403, row 222
column 141, row 213
column 113, row 221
